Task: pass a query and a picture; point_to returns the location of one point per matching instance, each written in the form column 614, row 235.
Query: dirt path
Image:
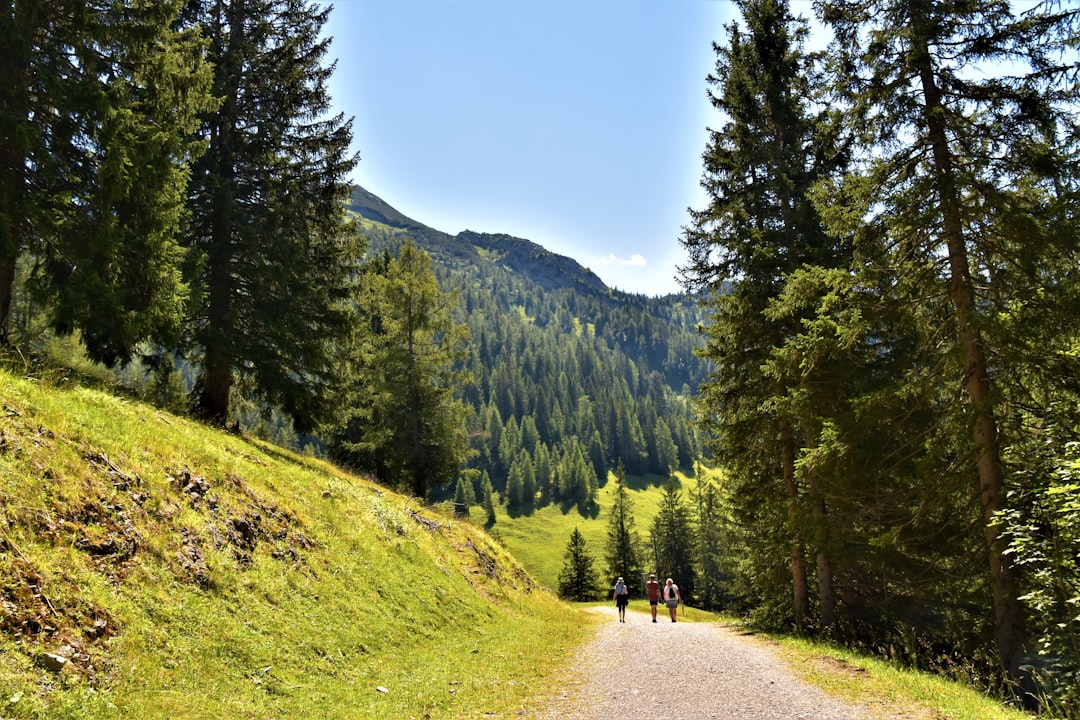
column 639, row 670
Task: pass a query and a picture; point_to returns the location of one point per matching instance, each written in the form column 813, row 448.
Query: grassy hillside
column 153, row 568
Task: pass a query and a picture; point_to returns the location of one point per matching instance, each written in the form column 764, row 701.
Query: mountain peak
column 524, row 257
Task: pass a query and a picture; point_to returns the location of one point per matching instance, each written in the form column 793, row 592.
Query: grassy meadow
column 539, row 538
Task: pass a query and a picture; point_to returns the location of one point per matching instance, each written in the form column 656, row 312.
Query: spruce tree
column 97, row 104
column 709, row 553
column 274, row 259
column 760, row 224
column 489, row 500
column 959, row 153
column 578, row 581
column 674, row 539
column 405, row 424
column 623, row 551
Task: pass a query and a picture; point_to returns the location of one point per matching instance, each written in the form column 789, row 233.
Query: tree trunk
column 799, row 584
column 826, row 594
column 218, row 338
column 13, row 187
column 7, row 280
column 1008, row 611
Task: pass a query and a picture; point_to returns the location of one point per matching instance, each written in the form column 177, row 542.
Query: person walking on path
column 652, row 587
column 622, row 597
column 672, row 598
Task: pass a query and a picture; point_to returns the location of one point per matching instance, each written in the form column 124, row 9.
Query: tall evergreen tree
column 760, row 225
column 406, row 425
column 674, row 537
column 578, row 580
column 952, row 162
column 709, row 552
column 623, row 551
column 97, row 102
column 275, row 260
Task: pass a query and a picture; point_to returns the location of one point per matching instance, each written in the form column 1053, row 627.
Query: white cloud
column 612, row 259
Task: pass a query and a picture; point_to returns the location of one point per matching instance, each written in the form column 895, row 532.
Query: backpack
column 670, row 591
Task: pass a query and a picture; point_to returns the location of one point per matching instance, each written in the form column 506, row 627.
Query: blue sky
column 577, row 124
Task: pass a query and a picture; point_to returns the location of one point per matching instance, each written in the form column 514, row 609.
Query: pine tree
column 709, row 552
column 623, row 551
column 461, row 495
column 948, row 180
column 578, row 581
column 405, row 425
column 515, row 486
column 489, row 499
column 97, row 103
column 275, row 260
column 760, row 225
column 674, row 538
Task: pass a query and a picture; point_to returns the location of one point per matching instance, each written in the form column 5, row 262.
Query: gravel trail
column 638, row 670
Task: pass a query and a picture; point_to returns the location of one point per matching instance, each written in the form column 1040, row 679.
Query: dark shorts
column 653, row 602
column 622, row 600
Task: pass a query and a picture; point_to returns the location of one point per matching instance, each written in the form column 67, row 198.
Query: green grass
column 538, row 539
column 194, row 574
column 883, row 688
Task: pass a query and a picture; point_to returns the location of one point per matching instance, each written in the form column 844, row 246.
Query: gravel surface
column 638, row 670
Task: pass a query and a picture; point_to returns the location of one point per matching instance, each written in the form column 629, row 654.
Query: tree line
column 889, row 257
column 173, row 194
column 172, row 187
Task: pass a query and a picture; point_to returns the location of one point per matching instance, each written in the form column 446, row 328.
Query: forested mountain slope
column 571, row 377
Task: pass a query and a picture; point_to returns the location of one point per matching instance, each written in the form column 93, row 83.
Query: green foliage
column 274, row 261
column 623, row 551
column 578, row 580
column 761, row 225
column 100, row 103
column 674, row 538
column 883, row 232
column 405, row 424
column 711, row 554
column 1043, row 528
column 944, row 189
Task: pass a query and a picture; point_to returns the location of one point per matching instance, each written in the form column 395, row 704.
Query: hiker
column 622, row 597
column 653, row 588
column 672, row 598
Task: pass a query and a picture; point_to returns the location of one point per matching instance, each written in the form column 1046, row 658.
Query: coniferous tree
column 667, row 454
column 275, row 260
column 709, row 552
column 489, row 500
column 97, row 103
column 461, row 495
column 515, row 486
column 544, row 474
column 405, row 424
column 578, row 581
column 623, row 552
column 674, row 538
column 760, row 225
column 955, row 167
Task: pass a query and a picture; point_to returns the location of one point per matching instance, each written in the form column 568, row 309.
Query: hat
column 620, row 579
